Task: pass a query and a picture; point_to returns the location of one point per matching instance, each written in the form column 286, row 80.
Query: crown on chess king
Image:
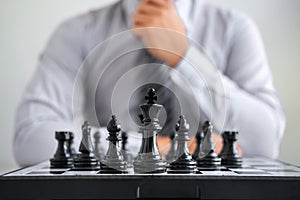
column 150, row 111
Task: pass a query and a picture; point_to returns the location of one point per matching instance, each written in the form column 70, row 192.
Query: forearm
column 260, row 122
column 260, row 125
column 35, row 142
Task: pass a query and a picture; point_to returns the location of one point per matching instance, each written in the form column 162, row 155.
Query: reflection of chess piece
column 208, row 156
column 148, row 159
column 70, row 145
column 128, row 157
column 86, row 160
column 97, row 150
column 229, row 154
column 113, row 162
column 199, row 139
column 184, row 163
column 171, row 154
column 86, row 142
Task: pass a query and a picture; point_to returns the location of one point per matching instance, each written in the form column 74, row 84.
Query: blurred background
column 25, row 27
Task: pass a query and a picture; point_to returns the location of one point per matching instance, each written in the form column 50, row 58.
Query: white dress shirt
column 93, row 63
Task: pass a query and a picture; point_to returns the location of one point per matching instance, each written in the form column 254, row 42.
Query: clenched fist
column 158, row 25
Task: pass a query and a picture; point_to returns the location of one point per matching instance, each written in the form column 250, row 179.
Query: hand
column 158, row 25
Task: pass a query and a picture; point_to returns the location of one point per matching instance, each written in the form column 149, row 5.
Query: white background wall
column 26, row 25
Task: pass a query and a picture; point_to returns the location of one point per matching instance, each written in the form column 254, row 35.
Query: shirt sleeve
column 46, row 105
column 243, row 97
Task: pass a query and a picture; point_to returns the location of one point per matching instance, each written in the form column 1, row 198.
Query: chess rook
column 229, row 154
column 208, row 156
column 62, row 157
column 113, row 162
column 184, row 164
column 86, row 160
column 148, row 159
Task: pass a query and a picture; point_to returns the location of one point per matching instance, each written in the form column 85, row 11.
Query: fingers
column 159, row 3
column 140, row 20
column 150, row 10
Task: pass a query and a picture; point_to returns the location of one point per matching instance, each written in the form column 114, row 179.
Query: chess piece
column 86, row 160
column 113, row 162
column 208, row 156
column 124, row 137
column 229, row 155
column 97, row 152
column 171, row 156
column 141, row 117
column 225, row 145
column 199, row 139
column 128, row 157
column 70, row 145
column 184, row 164
column 148, row 159
column 62, row 157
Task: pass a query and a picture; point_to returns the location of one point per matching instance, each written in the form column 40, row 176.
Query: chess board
column 257, row 178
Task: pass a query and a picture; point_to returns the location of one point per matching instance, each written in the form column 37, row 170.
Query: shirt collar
column 184, row 8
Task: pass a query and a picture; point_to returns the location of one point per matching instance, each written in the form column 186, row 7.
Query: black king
column 148, row 159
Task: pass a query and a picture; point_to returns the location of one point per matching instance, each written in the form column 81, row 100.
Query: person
column 156, row 31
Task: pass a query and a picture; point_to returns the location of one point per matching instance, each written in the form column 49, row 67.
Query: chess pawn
column 171, row 156
column 70, row 145
column 113, row 162
column 199, row 139
column 86, row 160
column 229, row 154
column 62, row 157
column 184, row 163
column 97, row 152
column 148, row 159
column 127, row 156
column 207, row 155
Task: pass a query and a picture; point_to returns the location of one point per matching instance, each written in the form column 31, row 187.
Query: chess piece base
column 146, row 165
column 210, row 160
column 60, row 163
column 182, row 166
column 86, row 162
column 232, row 161
column 114, row 168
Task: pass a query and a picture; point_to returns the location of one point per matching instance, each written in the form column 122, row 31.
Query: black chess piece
column 184, row 164
column 124, row 137
column 229, row 154
column 171, row 156
column 62, row 157
column 148, row 159
column 141, row 117
column 207, row 155
column 86, row 160
column 225, row 145
column 113, row 162
column 70, row 145
column 127, row 156
column 199, row 138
